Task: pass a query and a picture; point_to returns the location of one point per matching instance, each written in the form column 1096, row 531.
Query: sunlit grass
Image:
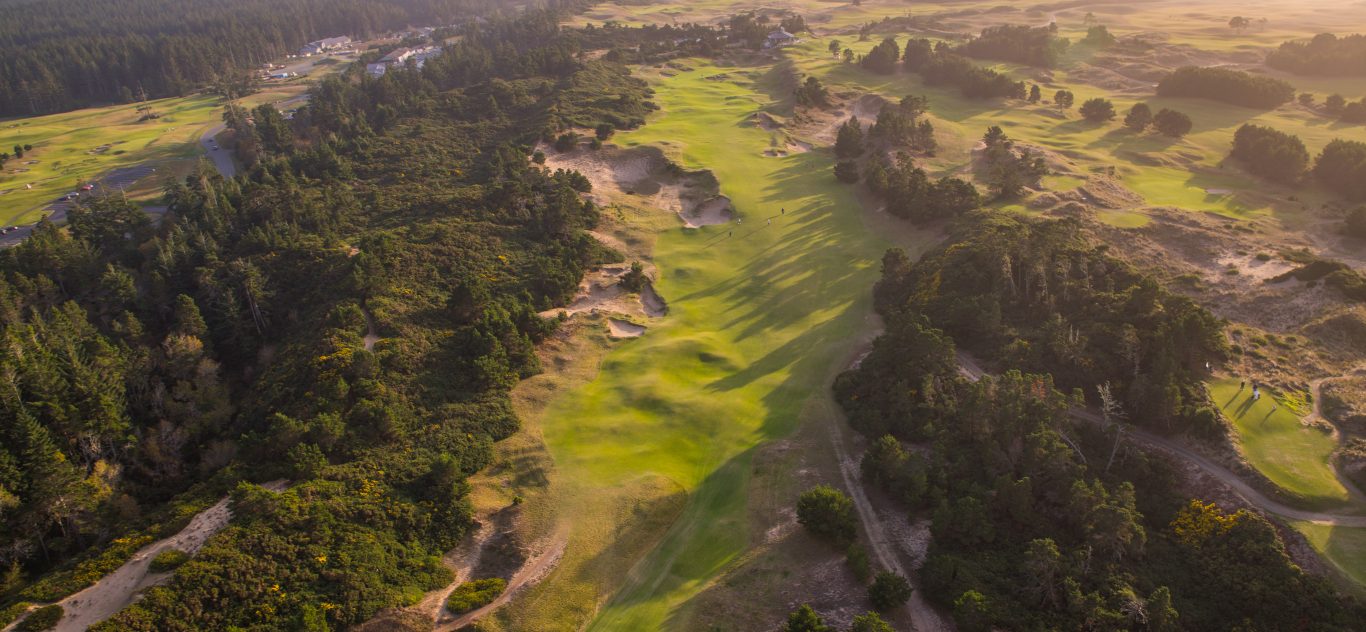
column 1291, row 455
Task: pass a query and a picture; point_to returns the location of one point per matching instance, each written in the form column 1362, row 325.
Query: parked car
column 87, row 187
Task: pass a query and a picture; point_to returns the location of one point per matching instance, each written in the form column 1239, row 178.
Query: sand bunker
column 715, row 211
column 644, row 172
column 653, row 303
column 617, row 328
column 601, row 291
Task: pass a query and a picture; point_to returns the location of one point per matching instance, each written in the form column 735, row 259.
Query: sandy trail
column 1241, row 488
column 371, row 334
column 117, row 589
column 924, row 618
column 533, row 571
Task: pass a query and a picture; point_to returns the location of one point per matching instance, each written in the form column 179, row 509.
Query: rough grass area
column 1289, row 454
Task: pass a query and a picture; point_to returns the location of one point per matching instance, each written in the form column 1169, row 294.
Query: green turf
column 70, row 148
column 1344, row 547
column 1294, row 457
column 1124, row 219
column 755, row 322
column 67, row 148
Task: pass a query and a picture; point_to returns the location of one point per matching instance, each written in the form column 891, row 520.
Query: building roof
column 781, row 33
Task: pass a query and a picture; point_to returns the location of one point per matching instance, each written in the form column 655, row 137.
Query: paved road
column 222, row 158
column 969, row 367
column 112, row 182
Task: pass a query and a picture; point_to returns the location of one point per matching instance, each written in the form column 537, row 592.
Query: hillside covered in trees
column 142, row 364
column 58, row 55
column 1040, row 522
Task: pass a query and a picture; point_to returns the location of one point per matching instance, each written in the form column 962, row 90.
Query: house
column 399, row 57
column 323, row 45
column 780, row 37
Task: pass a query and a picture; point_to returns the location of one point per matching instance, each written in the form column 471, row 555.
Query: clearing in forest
column 653, row 457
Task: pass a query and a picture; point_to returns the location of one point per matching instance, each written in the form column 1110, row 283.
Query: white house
column 322, row 45
column 399, row 57
column 780, row 37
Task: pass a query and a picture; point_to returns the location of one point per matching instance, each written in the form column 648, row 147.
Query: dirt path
column 117, row 589
column 462, row 561
column 371, row 334
column 533, row 571
column 1240, row 487
column 924, row 618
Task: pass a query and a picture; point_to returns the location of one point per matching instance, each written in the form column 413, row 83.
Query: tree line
column 1035, row 46
column 1225, row 85
column 57, row 56
column 1040, row 522
column 1325, row 54
column 1282, row 157
column 142, row 363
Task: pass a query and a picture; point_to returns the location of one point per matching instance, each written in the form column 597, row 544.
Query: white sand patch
column 715, row 211
column 617, row 328
column 1250, row 269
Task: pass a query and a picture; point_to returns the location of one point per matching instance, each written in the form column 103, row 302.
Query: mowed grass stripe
column 755, row 322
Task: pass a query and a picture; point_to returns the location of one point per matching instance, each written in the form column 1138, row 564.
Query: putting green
column 1294, row 457
column 759, row 312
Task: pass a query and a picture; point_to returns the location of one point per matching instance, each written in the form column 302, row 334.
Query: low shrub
column 475, row 594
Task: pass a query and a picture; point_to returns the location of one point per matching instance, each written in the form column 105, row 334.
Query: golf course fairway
column 1294, row 457
column 655, row 453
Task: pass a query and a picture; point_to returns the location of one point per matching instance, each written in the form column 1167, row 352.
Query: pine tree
column 849, row 140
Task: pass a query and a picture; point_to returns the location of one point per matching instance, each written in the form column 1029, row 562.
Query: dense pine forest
column 58, row 55
column 144, row 363
column 1040, row 522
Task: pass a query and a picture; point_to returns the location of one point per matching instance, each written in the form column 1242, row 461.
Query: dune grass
column 758, row 314
column 1289, row 454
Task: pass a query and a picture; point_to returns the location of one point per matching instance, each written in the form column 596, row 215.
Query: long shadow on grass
column 712, row 530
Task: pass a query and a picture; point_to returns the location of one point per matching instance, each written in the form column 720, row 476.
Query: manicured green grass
column 73, row 148
column 1344, row 547
column 1294, row 457
column 1124, row 219
column 758, row 314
